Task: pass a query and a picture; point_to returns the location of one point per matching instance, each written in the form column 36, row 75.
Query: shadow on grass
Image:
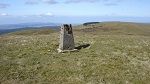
column 82, row 46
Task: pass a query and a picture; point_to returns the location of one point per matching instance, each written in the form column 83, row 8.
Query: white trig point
column 66, row 39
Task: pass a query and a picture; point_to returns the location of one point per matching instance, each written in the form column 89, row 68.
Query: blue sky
column 73, row 11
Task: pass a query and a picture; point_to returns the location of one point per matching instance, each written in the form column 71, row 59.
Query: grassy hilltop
column 119, row 53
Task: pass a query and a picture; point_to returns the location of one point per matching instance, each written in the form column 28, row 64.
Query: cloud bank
column 31, row 2
column 79, row 1
column 106, row 2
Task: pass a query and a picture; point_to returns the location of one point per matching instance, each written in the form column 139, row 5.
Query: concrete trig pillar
column 66, row 38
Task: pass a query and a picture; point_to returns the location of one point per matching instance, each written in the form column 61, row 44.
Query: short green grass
column 34, row 31
column 110, row 59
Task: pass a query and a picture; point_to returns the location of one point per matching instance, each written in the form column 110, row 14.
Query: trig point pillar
column 66, row 38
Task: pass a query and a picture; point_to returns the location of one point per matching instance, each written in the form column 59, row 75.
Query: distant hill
column 23, row 25
column 90, row 23
column 43, row 31
column 122, row 28
column 5, row 31
column 103, row 28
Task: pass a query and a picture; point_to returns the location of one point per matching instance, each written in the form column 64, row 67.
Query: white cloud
column 48, row 14
column 106, row 2
column 79, row 1
column 31, row 2
column 112, row 2
column 3, row 14
column 50, row 1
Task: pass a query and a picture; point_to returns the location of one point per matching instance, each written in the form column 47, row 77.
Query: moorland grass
column 111, row 58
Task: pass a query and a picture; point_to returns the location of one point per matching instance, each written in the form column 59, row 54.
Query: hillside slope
column 122, row 28
column 119, row 54
column 41, row 31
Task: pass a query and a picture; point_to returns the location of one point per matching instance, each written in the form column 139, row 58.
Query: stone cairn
column 66, row 39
